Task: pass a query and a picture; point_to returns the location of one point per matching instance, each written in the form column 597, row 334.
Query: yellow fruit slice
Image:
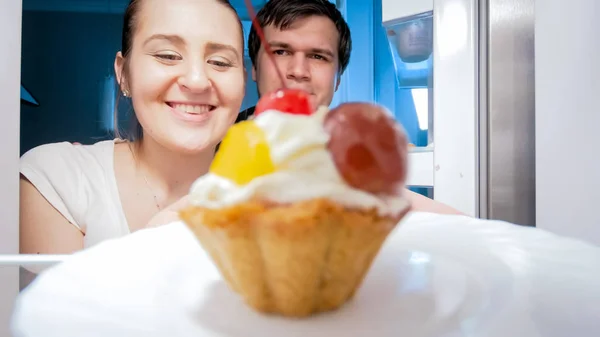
column 243, row 155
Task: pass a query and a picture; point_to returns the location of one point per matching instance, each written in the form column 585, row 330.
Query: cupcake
column 297, row 204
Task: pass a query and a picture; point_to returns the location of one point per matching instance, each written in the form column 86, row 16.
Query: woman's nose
column 195, row 80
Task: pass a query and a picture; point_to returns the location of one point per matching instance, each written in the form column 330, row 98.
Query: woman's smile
column 196, row 113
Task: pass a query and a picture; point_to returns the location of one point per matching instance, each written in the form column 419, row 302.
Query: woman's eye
column 221, row 64
column 168, row 57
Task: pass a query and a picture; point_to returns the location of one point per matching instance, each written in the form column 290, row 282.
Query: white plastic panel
column 455, row 97
column 567, row 118
column 396, row 9
column 10, row 68
column 420, row 169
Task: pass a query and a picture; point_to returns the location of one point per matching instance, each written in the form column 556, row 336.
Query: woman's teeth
column 192, row 109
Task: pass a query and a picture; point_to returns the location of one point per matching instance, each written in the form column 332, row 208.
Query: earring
column 125, row 93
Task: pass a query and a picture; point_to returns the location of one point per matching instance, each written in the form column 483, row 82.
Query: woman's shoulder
column 68, row 166
column 68, row 156
column 67, row 150
column 70, row 176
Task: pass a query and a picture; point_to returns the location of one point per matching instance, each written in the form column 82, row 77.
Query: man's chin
column 315, row 102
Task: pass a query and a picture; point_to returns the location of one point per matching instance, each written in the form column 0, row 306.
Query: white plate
column 435, row 276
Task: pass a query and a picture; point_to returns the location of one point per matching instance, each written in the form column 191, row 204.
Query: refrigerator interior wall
column 410, row 44
column 405, row 88
column 405, row 65
column 447, row 155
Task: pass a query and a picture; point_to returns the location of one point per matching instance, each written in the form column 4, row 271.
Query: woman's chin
column 196, row 147
column 189, row 141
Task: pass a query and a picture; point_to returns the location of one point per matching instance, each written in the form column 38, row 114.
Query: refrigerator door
column 507, row 123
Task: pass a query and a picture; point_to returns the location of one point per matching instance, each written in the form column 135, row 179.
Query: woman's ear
column 119, row 73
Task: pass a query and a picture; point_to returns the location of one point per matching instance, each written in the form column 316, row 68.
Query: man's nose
column 298, row 68
column 195, row 79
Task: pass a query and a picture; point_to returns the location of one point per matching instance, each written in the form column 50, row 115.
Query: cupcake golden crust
column 292, row 259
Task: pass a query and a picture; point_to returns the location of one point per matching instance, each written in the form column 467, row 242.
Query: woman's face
column 185, row 72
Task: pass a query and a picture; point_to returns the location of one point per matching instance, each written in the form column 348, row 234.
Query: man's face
column 306, row 54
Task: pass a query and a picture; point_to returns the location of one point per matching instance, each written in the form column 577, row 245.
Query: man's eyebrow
column 214, row 46
column 277, row 44
column 322, row 51
column 175, row 39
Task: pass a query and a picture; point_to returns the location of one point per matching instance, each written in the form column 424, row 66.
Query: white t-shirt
column 79, row 181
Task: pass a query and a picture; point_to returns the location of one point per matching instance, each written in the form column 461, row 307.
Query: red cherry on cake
column 369, row 148
column 292, row 101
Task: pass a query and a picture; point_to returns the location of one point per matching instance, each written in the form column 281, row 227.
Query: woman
column 181, row 65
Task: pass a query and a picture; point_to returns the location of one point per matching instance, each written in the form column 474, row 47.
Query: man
column 311, row 43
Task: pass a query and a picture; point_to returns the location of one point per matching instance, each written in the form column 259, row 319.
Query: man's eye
column 319, row 57
column 280, row 52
